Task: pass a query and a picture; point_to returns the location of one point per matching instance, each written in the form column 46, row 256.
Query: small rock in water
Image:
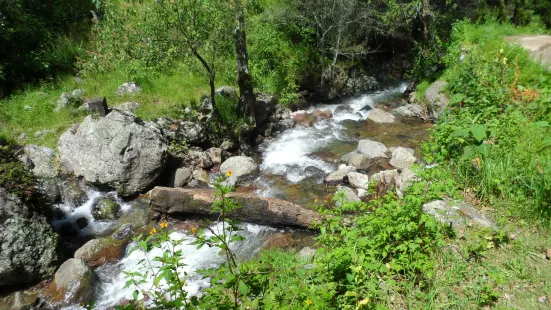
column 123, row 232
column 106, row 209
column 239, row 167
column 279, row 241
column 380, row 116
column 82, row 222
column 97, row 252
column 337, row 176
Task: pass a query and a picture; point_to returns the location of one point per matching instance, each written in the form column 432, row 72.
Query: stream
column 292, row 167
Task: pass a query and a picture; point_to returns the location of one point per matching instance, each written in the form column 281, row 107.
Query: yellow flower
column 316, row 200
column 153, row 231
column 228, row 174
column 308, row 302
column 193, row 230
column 325, row 201
column 164, row 224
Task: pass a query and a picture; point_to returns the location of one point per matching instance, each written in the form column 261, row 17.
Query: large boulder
column 118, row 151
column 28, row 245
column 372, row 148
column 380, row 116
column 106, row 209
column 240, row 167
column 40, row 160
column 73, row 283
column 406, row 178
column 436, row 100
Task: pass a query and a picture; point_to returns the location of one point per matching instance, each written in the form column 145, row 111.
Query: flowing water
column 293, row 166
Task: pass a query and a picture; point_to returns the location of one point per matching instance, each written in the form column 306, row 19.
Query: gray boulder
column 436, row 99
column 240, row 167
column 388, row 176
column 412, row 110
column 117, row 151
column 191, row 132
column 380, row 116
column 129, row 106
column 348, row 195
column 458, row 215
column 201, row 175
column 40, row 160
column 336, row 177
column 28, row 245
column 181, row 177
column 402, row 158
column 264, row 106
column 197, row 158
column 128, row 88
column 406, row 179
column 73, row 98
column 74, row 282
column 372, row 149
column 226, row 91
column 72, row 192
column 215, row 155
column 358, row 180
column 358, row 160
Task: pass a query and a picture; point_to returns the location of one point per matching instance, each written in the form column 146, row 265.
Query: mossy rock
column 97, row 252
column 106, row 209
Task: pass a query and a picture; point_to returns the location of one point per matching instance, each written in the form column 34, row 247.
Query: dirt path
column 539, row 47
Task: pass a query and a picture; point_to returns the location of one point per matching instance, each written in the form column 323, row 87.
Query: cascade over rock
column 118, row 151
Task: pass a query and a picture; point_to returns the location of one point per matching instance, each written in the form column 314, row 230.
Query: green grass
column 159, row 97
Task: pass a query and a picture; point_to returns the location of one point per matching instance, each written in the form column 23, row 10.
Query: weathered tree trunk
column 246, row 93
column 255, row 209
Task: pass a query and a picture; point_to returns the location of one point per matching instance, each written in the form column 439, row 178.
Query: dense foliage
column 495, row 132
column 40, row 39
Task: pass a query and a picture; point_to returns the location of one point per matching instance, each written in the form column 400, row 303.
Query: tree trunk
column 246, row 93
column 254, row 209
column 212, row 76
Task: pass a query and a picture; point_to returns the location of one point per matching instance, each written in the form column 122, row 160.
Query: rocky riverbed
column 99, row 188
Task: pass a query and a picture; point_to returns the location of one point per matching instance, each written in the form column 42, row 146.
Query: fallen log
column 255, row 209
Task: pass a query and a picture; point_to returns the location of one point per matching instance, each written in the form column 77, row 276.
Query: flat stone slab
column 459, row 215
column 538, row 46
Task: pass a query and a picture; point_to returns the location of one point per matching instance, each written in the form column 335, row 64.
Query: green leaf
column 457, row 98
column 362, row 242
column 468, row 151
column 541, row 124
column 479, row 132
column 243, row 288
column 135, row 295
column 350, row 278
column 484, row 149
column 463, row 133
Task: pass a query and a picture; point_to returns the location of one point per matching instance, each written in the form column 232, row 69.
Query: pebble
column 548, row 254
column 542, row 299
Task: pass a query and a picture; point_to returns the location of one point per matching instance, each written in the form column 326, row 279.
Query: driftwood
column 255, row 209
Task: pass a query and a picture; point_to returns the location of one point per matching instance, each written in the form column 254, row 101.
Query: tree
column 197, row 27
column 246, row 93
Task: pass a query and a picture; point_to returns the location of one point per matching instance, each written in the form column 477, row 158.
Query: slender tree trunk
column 212, row 76
column 246, row 94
